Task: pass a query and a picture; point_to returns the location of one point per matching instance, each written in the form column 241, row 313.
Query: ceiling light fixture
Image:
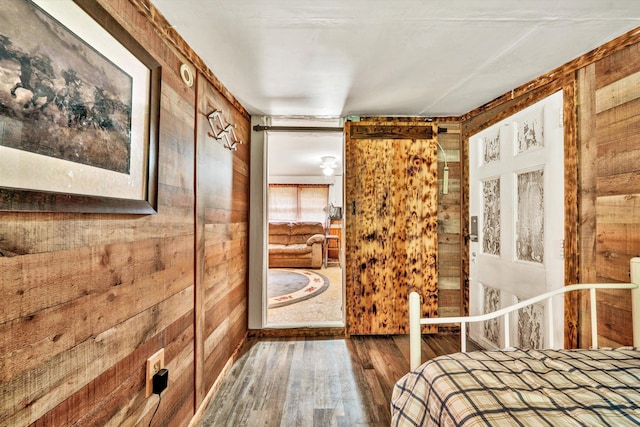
column 328, row 165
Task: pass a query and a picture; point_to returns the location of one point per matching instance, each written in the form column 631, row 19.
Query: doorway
column 304, row 230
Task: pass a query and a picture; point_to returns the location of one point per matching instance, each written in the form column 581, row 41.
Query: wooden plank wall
column 222, row 239
column 609, row 125
column 88, row 298
column 450, row 286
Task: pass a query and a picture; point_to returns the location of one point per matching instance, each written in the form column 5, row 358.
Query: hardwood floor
column 317, row 381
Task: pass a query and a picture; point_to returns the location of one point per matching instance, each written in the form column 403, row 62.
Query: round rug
column 286, row 286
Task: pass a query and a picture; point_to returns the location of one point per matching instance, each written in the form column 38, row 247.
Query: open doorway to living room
column 304, row 207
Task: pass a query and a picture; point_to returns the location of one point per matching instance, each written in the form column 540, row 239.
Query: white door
column 516, row 182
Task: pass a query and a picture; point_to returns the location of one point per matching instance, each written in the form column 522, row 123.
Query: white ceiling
column 334, row 58
column 295, row 154
column 381, row 57
column 300, row 153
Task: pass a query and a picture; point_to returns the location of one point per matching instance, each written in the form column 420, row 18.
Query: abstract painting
column 62, row 98
column 77, row 111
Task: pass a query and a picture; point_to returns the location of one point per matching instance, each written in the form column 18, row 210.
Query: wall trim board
column 571, row 208
column 199, row 299
column 390, row 132
column 164, row 29
column 493, row 115
column 561, row 72
column 413, row 119
column 297, row 332
column 464, row 220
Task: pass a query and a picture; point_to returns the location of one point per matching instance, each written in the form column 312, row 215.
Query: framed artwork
column 79, row 108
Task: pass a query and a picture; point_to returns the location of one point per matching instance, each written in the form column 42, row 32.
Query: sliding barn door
column 391, row 200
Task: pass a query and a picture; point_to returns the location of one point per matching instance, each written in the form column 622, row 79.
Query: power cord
column 160, row 381
column 445, row 178
column 154, row 412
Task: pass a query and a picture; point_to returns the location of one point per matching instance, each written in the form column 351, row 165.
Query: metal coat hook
column 221, row 131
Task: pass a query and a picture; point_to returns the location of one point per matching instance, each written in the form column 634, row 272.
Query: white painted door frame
column 258, row 227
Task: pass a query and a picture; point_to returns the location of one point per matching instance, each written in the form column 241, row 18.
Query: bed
column 515, row 387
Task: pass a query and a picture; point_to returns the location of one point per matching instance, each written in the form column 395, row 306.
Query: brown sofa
column 296, row 244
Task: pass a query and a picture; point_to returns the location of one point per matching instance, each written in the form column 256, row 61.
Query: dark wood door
column 391, row 200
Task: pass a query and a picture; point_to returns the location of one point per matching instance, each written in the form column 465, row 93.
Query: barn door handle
column 353, row 207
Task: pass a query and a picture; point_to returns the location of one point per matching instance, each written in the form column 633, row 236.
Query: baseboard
column 446, row 330
column 216, row 385
column 296, row 332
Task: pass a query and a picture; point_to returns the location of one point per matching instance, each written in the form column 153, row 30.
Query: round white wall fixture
column 186, row 74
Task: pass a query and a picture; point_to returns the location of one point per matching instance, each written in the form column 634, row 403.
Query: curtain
column 283, row 203
column 298, row 202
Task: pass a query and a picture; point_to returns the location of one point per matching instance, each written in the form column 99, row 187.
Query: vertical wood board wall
column 609, row 128
column 450, row 296
column 221, row 238
column 88, row 298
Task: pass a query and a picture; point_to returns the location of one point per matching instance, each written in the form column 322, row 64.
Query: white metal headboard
column 415, row 321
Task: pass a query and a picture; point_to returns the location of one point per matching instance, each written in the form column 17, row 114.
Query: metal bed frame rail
column 415, row 321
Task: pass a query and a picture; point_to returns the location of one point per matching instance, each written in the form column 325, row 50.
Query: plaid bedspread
column 522, row 388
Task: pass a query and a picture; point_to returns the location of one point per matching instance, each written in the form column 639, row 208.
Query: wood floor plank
column 323, row 381
column 360, row 408
column 428, row 351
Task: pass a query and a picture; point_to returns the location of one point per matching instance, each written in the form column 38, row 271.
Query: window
column 298, row 202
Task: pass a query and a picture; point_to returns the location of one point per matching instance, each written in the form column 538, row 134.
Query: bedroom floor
column 317, row 381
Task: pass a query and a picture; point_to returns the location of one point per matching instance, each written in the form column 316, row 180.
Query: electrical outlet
column 154, row 364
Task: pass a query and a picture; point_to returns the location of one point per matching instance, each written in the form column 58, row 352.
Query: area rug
column 289, row 286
